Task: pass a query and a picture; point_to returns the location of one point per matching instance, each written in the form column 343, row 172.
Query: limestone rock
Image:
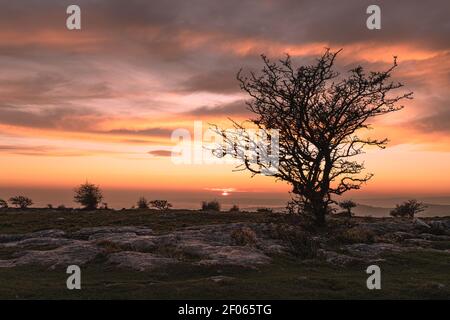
column 139, row 261
column 78, row 253
column 373, row 250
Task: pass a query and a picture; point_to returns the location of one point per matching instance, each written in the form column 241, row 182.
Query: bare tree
column 21, row 202
column 3, row 204
column 318, row 114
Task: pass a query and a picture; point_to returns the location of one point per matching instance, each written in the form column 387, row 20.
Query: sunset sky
column 100, row 104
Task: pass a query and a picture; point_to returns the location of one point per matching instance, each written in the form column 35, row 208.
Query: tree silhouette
column 3, row 204
column 317, row 114
column 142, row 203
column 161, row 204
column 347, row 205
column 213, row 205
column 21, row 202
column 408, row 209
column 88, row 195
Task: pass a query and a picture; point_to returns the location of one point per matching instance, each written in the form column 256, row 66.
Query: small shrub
column 301, row 244
column 3, row 204
column 161, row 204
column 211, row 205
column 21, row 202
column 49, row 206
column 88, row 195
column 264, row 210
column 234, row 208
column 348, row 205
column 408, row 209
column 142, row 203
column 244, row 237
column 61, row 207
column 356, row 235
column 276, row 231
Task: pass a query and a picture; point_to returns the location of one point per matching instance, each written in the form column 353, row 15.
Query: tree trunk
column 320, row 218
column 319, row 210
column 314, row 204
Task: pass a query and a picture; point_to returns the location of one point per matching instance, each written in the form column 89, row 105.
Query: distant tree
column 264, row 210
column 3, row 204
column 408, row 209
column 49, row 206
column 104, row 206
column 161, row 204
column 211, row 205
column 347, row 205
column 88, row 195
column 234, row 208
column 142, row 203
column 317, row 115
column 21, row 202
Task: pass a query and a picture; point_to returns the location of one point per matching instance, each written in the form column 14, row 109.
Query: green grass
column 414, row 275
column 24, row 221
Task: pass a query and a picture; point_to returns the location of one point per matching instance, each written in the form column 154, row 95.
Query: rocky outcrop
column 139, row 248
column 239, row 256
column 138, row 261
column 87, row 233
column 78, row 253
column 370, row 251
column 338, row 259
column 51, row 233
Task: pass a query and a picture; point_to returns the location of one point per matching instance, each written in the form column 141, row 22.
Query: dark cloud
column 185, row 38
column 44, row 151
column 51, row 88
column 290, row 21
column 36, row 88
column 137, row 141
column 189, row 44
column 235, row 108
column 53, row 151
column 437, row 119
column 218, row 81
column 161, row 153
column 155, row 132
column 66, row 118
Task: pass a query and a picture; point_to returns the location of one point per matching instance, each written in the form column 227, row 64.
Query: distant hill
column 432, row 210
column 366, row 210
